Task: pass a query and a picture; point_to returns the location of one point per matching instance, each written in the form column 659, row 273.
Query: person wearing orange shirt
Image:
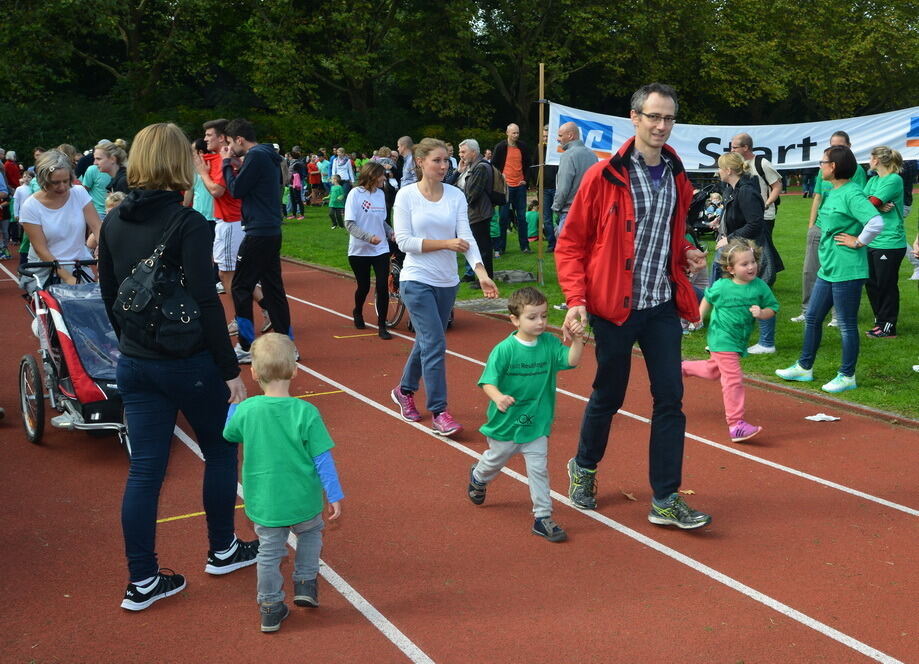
column 513, row 158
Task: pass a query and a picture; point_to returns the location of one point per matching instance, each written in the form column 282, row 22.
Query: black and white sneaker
column 166, row 583
column 243, row 556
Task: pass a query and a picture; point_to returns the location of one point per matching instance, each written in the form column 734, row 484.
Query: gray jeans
column 272, row 549
column 811, row 265
column 536, row 455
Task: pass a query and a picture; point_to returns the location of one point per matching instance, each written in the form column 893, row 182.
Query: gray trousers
column 536, row 455
column 811, row 265
column 272, row 549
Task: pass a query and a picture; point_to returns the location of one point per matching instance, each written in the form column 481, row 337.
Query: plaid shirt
column 653, row 212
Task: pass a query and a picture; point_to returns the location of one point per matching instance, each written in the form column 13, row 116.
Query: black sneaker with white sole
column 244, row 556
column 166, row 583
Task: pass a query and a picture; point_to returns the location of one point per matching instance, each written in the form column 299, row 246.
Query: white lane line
column 705, row 441
column 693, row 564
column 377, row 619
column 11, row 275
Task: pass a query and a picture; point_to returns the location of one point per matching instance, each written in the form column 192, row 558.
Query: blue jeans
column 767, row 332
column 548, row 227
column 429, row 308
column 658, row 333
column 845, row 296
column 154, row 391
column 516, row 199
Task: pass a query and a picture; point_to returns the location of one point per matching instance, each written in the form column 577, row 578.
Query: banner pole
column 541, row 150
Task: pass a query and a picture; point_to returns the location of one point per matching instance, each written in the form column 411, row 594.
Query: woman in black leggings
column 365, row 220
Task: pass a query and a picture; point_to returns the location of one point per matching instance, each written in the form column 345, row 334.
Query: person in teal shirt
column 848, row 222
column 287, row 466
column 887, row 250
column 735, row 301
column 519, row 378
column 97, row 183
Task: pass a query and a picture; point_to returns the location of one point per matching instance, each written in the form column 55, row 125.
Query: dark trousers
column 548, row 223
column 883, row 291
column 259, row 261
column 296, row 201
column 658, row 333
column 481, row 231
column 361, row 266
column 154, row 391
column 516, row 202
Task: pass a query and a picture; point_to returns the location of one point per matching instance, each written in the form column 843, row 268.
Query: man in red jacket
column 622, row 262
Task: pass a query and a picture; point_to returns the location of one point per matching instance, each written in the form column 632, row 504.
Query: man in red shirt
column 513, row 158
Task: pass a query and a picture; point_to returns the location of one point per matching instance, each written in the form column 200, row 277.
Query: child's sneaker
column 796, row 372
column 476, row 489
column 759, row 349
column 306, row 593
column 798, row 319
column 673, row 511
column 833, row 322
column 272, row 615
column 406, row 403
column 582, row 486
column 243, row 556
column 743, row 431
column 545, row 527
column 840, row 384
column 445, row 425
column 166, row 583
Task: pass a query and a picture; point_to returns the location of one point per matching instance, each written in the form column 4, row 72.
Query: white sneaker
column 833, row 323
column 799, row 319
column 220, row 289
column 560, row 307
column 916, row 367
column 232, row 327
column 759, row 349
column 243, row 356
column 915, row 276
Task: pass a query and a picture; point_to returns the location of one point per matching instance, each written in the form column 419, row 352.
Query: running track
column 811, row 556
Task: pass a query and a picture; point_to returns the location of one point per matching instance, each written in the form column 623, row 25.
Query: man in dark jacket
column 474, row 177
column 513, row 158
column 258, row 184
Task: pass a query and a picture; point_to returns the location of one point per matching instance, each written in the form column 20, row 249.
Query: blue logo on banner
column 597, row 136
column 912, row 138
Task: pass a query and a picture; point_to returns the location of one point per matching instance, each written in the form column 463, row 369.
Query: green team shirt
column 532, row 223
column 824, row 187
column 846, row 210
column 731, row 322
column 282, row 436
column 96, row 183
column 526, row 373
column 888, row 189
column 336, row 196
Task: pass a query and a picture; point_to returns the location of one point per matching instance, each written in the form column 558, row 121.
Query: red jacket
column 595, row 251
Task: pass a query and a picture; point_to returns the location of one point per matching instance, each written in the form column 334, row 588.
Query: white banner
column 788, row 146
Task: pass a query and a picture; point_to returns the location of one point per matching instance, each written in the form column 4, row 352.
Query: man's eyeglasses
column 657, row 118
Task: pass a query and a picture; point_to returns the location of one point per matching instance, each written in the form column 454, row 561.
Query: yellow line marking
column 352, row 336
column 188, row 516
column 319, row 394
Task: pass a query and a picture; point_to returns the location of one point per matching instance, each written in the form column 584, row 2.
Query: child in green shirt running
column 337, row 203
column 286, row 467
column 519, row 378
column 735, row 301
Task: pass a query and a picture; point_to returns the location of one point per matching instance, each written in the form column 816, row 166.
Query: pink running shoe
column 743, row 431
column 445, row 425
column 406, row 403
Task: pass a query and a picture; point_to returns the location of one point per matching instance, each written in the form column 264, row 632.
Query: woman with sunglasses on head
column 848, row 222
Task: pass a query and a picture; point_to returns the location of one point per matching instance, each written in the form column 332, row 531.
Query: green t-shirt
column 526, row 373
column 282, row 436
column 845, row 210
column 888, row 189
column 96, row 183
column 731, row 321
column 532, row 223
column 824, row 187
column 336, row 196
column 495, row 228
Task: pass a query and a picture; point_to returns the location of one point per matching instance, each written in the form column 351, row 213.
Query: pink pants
column 726, row 366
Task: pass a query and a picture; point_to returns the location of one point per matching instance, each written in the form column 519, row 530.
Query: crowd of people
column 213, row 209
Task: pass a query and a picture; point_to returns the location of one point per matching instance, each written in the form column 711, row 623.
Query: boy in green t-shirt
column 337, row 203
column 533, row 220
column 519, row 378
column 286, row 467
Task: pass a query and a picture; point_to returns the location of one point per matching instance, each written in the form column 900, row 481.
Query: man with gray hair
column 407, row 168
column 474, row 176
column 572, row 165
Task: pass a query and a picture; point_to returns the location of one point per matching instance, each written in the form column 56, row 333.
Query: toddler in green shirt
column 286, row 467
column 519, row 378
column 337, row 203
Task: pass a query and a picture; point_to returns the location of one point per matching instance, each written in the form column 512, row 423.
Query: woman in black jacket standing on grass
column 200, row 381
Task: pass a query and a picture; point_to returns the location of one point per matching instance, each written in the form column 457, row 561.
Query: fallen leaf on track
column 687, row 492
column 628, row 495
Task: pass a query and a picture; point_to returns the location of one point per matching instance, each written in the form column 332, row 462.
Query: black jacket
column 526, row 157
column 743, row 217
column 258, row 186
column 130, row 232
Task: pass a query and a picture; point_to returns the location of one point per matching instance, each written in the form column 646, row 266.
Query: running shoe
column 244, row 555
column 759, row 349
column 445, row 425
column 165, row 583
column 833, row 323
column 743, row 431
column 796, row 372
column 799, row 319
column 406, row 403
column 476, row 489
column 233, row 327
column 582, row 486
column 546, row 527
column 839, row 384
column 673, row 511
column 885, row 331
column 242, row 356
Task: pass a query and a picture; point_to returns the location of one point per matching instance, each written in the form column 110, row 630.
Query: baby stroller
column 77, row 354
column 396, row 305
column 697, row 222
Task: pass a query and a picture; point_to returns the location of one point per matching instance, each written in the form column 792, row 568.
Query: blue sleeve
column 325, row 467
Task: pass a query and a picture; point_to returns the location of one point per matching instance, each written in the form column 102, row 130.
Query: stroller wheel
column 31, row 399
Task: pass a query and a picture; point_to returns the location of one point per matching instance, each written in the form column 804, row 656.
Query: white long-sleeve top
column 416, row 219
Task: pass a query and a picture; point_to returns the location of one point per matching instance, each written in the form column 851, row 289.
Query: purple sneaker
column 406, row 403
column 743, row 431
column 445, row 425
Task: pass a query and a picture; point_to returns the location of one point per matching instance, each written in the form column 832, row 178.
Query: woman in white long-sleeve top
column 432, row 226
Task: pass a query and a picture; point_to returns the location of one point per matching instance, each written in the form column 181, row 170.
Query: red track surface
column 465, row 583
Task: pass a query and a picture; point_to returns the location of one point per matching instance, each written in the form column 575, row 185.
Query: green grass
column 886, row 380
